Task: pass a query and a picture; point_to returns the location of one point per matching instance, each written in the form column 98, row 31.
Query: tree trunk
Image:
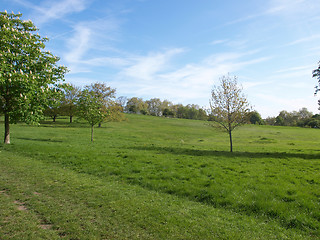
column 6, row 129
column 91, row 133
column 54, row 118
column 230, row 136
column 70, row 119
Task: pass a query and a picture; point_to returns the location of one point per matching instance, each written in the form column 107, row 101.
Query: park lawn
column 157, row 178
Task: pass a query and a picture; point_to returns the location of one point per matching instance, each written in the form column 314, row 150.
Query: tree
column 115, row 112
column 92, row 104
column 137, row 105
column 229, row 106
column 155, row 107
column 28, row 73
column 122, row 101
column 255, row 118
column 69, row 101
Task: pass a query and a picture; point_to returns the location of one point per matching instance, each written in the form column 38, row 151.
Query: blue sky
column 178, row 49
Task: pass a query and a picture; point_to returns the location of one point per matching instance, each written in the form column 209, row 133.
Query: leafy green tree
column 69, row 101
column 279, row 121
column 255, row 118
column 155, row 107
column 92, row 104
column 229, row 106
column 181, row 111
column 28, row 73
column 115, row 112
column 167, row 112
column 137, row 105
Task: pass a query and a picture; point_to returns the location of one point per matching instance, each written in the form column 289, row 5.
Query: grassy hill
column 158, row 178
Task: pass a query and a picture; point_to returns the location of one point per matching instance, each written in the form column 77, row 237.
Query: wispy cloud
column 52, row 10
column 305, row 39
column 294, row 69
column 58, row 9
column 220, row 41
column 145, row 67
column 150, row 75
column 288, row 104
column 78, row 44
column 89, row 45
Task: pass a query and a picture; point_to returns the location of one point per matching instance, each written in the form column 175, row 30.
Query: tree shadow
column 227, row 154
column 40, row 139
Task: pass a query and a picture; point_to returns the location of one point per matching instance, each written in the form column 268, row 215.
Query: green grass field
column 158, row 178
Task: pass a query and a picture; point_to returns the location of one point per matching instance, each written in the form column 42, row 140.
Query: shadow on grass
column 196, row 152
column 40, row 139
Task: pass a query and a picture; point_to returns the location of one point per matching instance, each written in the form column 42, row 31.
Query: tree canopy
column 93, row 104
column 29, row 75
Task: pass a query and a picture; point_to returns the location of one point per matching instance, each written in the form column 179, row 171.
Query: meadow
column 159, row 178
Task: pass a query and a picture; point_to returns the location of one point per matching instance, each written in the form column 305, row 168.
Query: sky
column 179, row 49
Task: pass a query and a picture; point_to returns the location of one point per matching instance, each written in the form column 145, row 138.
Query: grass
column 157, row 178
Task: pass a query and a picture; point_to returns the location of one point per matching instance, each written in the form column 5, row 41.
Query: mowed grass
column 157, row 178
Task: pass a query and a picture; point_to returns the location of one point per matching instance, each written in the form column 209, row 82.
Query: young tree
column 28, row 73
column 92, row 104
column 229, row 106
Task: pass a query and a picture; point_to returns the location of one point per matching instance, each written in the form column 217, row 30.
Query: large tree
column 93, row 104
column 229, row 106
column 28, row 73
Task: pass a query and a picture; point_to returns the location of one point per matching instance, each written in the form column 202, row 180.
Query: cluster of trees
column 95, row 103
column 30, row 86
column 31, row 81
column 156, row 107
column 301, row 118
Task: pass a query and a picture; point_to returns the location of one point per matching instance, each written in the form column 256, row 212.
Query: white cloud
column 87, row 47
column 78, row 44
column 145, row 67
column 150, row 76
column 294, row 9
column 58, row 9
column 274, row 104
column 216, row 42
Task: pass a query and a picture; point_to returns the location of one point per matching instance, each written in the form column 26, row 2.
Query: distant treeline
column 301, row 118
column 67, row 105
column 156, row 107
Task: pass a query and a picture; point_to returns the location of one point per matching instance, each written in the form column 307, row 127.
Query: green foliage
column 69, row 101
column 294, row 118
column 156, row 107
column 255, row 118
column 137, row 105
column 28, row 74
column 93, row 104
